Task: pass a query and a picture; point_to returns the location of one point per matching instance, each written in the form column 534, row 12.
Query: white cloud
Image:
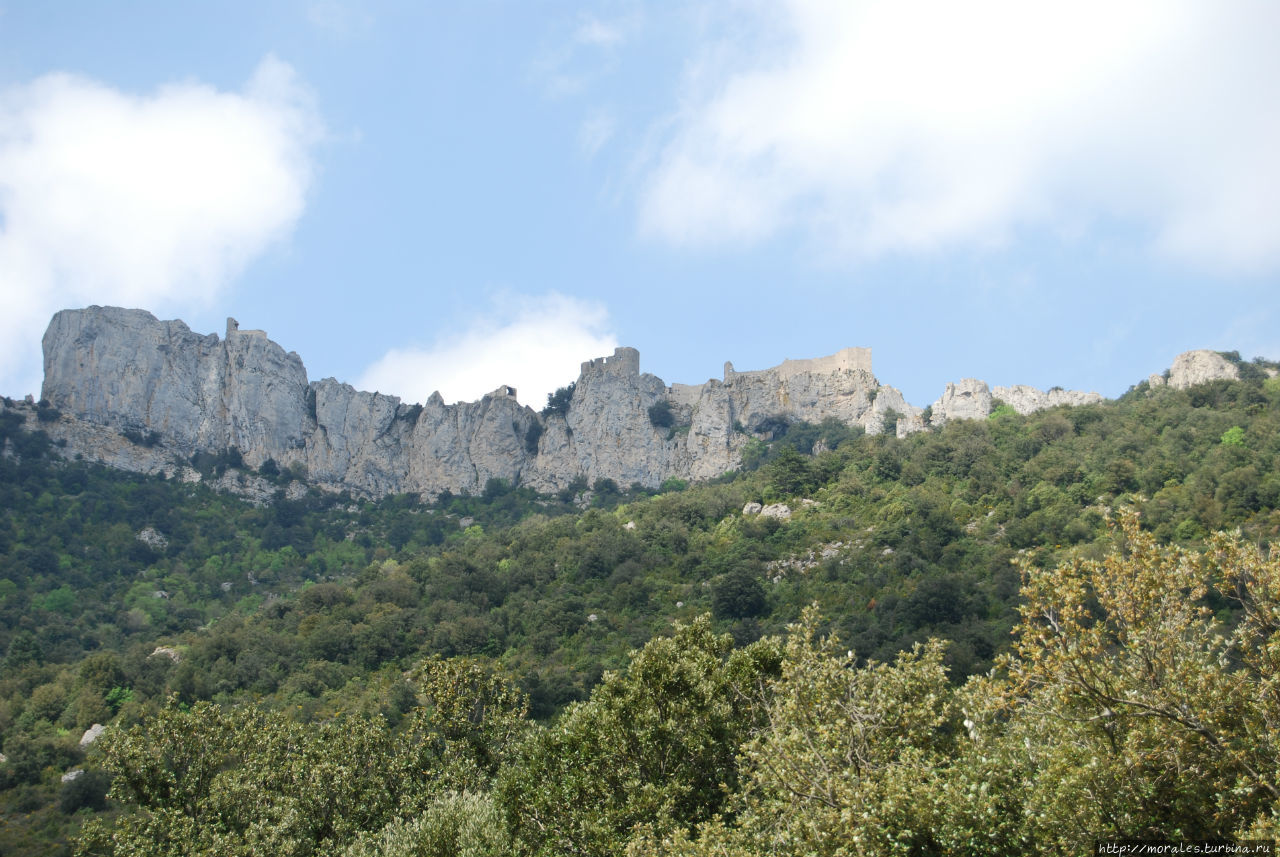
column 596, row 130
column 535, row 344
column 143, row 200
column 885, row 127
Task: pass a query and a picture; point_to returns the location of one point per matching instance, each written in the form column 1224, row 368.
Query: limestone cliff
column 127, row 371
column 116, row 372
column 1025, row 400
column 1196, row 367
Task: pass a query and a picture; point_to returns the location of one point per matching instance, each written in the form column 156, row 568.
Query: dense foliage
column 1127, row 709
column 324, row 620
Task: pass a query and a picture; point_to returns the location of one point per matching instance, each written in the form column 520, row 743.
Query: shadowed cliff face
column 125, row 370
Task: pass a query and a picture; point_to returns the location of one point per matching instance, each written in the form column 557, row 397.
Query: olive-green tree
column 845, row 762
column 244, row 781
column 655, row 744
column 1164, row 718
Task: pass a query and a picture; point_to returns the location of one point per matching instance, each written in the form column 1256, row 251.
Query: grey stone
column 115, row 372
column 1198, row 367
column 152, row 538
column 781, row 511
column 1026, row 400
column 167, row 651
column 967, row 399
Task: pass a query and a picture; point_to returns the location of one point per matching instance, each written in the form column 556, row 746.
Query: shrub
column 558, row 402
column 660, row 414
column 531, row 438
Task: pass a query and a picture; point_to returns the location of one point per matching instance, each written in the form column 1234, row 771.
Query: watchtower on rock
column 625, row 361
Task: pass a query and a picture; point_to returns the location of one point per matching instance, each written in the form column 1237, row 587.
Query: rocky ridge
column 145, row 395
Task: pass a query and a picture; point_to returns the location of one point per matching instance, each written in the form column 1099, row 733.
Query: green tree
column 655, row 744
column 846, row 762
column 559, row 401
column 1151, row 718
column 472, row 715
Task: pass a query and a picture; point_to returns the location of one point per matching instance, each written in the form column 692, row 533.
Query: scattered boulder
column 152, row 538
column 169, row 652
column 93, row 733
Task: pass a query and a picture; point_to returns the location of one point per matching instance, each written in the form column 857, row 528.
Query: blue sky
column 422, row 196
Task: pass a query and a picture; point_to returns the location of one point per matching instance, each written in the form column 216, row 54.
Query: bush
column 87, row 791
column 531, row 438
column 558, row 402
column 737, row 595
column 660, row 414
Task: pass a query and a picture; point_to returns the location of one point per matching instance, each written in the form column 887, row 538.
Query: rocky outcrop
column 128, row 373
column 146, row 395
column 971, row 399
column 607, row 432
column 1026, row 400
column 180, row 393
column 124, row 369
column 967, row 399
column 1198, row 367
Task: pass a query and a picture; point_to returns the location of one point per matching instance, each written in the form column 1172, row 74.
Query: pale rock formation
column 115, row 372
column 167, row 651
column 967, row 399
column 93, row 733
column 781, row 511
column 607, row 433
column 890, row 399
column 1026, row 400
column 124, row 369
column 152, row 538
column 1199, row 367
column 910, row 424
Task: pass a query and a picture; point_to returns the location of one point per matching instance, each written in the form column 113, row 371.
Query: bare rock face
column 143, row 394
column 125, row 370
column 967, row 399
column 1198, row 367
column 607, row 433
column 1026, row 400
column 891, row 403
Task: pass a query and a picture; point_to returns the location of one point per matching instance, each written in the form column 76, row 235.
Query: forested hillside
column 742, row 667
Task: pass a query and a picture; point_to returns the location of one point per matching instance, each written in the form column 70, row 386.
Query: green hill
column 140, row 602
